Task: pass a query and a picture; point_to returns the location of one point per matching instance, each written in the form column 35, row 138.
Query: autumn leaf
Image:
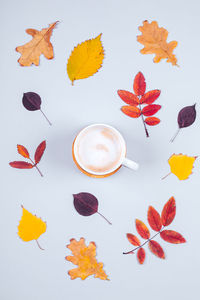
column 21, row 165
column 150, row 97
column 151, row 109
column 173, row 237
column 141, row 255
column 154, row 39
column 30, row 227
column 154, row 219
column 131, row 111
column 152, row 121
column 128, row 97
column 85, row 258
column 139, row 84
column 142, row 229
column 40, row 44
column 86, row 59
column 156, row 249
column 133, row 239
column 39, row 152
column 22, row 151
column 168, row 212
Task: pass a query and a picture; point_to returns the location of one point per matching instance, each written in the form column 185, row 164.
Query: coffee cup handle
column 130, row 164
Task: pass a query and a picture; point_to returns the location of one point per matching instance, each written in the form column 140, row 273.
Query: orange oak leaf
column 154, row 219
column 151, row 109
column 39, row 152
column 142, row 229
column 133, row 239
column 128, row 97
column 131, row 111
column 154, row 39
column 139, row 85
column 173, row 237
column 40, row 44
column 85, row 258
column 150, row 97
column 23, row 151
column 168, row 212
column 152, row 121
column 20, row 165
column 156, row 249
column 141, row 255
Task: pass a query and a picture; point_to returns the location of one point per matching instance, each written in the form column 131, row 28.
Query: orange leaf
column 133, row 239
column 39, row 152
column 139, row 85
column 150, row 97
column 156, row 249
column 142, row 229
column 21, row 165
column 173, row 237
column 151, row 109
column 23, row 151
column 151, row 121
column 131, row 111
column 128, row 97
column 168, row 212
column 141, row 255
column 154, row 219
column 40, row 44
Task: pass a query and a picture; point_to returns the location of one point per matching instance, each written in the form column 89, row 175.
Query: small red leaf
column 131, row 111
column 150, row 97
column 128, row 97
column 22, row 151
column 173, row 237
column 168, row 212
column 39, row 152
column 151, row 121
column 133, row 239
column 151, row 109
column 141, row 255
column 156, row 249
column 21, row 165
column 139, row 85
column 154, row 219
column 142, row 229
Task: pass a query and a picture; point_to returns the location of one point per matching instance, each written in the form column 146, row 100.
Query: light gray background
column 26, row 271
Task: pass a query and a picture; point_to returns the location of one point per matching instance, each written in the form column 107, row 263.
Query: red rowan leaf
column 142, row 229
column 22, row 151
column 151, row 109
column 152, row 121
column 173, row 237
column 139, row 85
column 154, row 219
column 21, row 165
column 168, row 212
column 128, row 97
column 39, row 152
column 141, row 255
column 133, row 239
column 150, row 97
column 156, row 249
column 131, row 111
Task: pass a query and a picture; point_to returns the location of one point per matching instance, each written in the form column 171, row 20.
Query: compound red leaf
column 142, row 229
column 151, row 109
column 152, row 121
column 131, row 111
column 168, row 212
column 156, row 249
column 22, row 151
column 21, row 165
column 173, row 237
column 139, row 85
column 150, row 97
column 39, row 152
column 154, row 219
column 141, row 255
column 128, row 97
column 133, row 239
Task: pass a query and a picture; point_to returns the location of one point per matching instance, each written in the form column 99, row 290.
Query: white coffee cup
column 99, row 150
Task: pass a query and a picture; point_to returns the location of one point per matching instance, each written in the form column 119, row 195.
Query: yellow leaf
column 85, row 258
column 30, row 227
column 86, row 59
column 40, row 44
column 181, row 165
column 154, row 39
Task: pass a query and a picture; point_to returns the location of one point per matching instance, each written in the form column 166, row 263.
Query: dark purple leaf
column 31, row 101
column 187, row 116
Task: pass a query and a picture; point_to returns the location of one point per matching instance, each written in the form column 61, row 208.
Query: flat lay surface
column 30, row 273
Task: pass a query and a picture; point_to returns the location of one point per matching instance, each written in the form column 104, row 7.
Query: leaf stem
column 45, row 117
column 146, row 131
column 172, row 139
column 104, row 218
column 35, row 165
column 166, row 175
column 39, row 245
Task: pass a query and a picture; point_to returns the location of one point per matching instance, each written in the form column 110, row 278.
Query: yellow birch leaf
column 30, row 227
column 86, row 59
column 85, row 258
column 181, row 165
column 154, row 39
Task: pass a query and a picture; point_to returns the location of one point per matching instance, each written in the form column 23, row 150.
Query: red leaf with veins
column 151, row 109
column 21, row 165
column 154, row 219
column 152, row 121
column 142, row 229
column 168, row 212
column 173, row 237
column 156, row 249
column 133, row 239
column 39, row 152
column 139, row 85
column 150, row 97
column 128, row 97
column 141, row 255
column 131, row 111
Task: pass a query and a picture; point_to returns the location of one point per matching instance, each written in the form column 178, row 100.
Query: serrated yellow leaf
column 86, row 59
column 30, row 227
column 181, row 165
